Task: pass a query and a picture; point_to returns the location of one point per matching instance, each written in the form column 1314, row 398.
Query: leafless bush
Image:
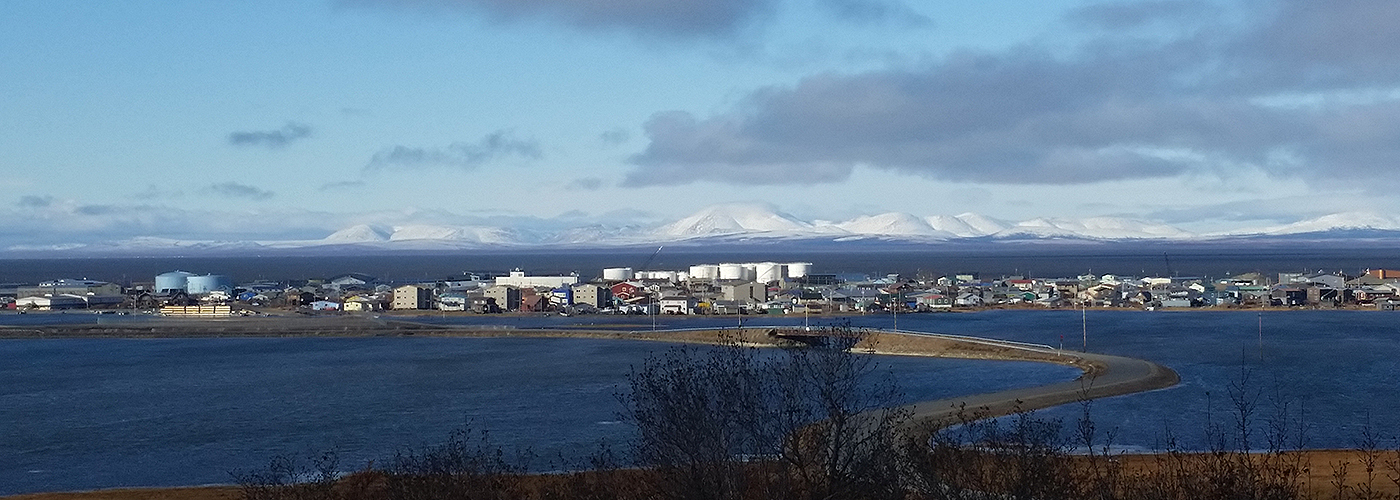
column 730, row 422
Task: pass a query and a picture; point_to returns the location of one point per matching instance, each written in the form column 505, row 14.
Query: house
column 453, row 301
column 484, row 305
column 533, row 302
column 933, row 300
column 413, row 297
column 678, row 305
column 362, row 304
column 968, row 300
column 350, row 280
column 325, row 305
column 627, row 290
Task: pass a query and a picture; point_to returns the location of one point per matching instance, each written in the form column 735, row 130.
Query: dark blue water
column 990, row 260
column 1336, row 371
column 161, row 412
column 97, row 413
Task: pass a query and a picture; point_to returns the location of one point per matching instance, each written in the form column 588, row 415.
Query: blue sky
column 291, row 119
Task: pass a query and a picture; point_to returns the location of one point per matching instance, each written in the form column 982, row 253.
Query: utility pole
column 1084, row 318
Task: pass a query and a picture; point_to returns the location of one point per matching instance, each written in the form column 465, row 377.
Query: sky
column 290, row 119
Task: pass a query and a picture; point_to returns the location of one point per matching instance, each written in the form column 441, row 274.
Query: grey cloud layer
column 236, row 190
column 273, row 139
column 668, row 18
column 876, row 11
column 462, row 155
column 1115, row 110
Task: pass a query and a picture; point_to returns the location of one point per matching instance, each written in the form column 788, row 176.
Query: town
column 702, row 289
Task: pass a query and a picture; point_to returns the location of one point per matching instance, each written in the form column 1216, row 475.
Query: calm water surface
column 96, row 413
column 113, row 412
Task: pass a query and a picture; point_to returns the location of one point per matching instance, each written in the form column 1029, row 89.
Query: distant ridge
column 751, row 224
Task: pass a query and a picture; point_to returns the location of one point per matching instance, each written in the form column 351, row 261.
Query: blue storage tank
column 197, row 285
column 174, row 281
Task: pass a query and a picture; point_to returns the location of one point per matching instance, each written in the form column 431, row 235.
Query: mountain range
column 739, row 223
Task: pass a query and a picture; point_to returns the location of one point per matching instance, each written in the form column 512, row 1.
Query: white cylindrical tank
column 174, row 280
column 617, row 273
column 704, row 272
column 768, row 272
column 799, row 269
column 731, row 271
column 196, row 285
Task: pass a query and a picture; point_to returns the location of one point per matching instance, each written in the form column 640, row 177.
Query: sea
column 78, row 414
column 1041, row 259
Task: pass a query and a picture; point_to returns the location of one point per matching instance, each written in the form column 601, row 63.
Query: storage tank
column 731, row 271
column 799, row 269
column 197, row 285
column 617, row 274
column 174, row 280
column 768, row 272
column 704, row 272
column 663, row 275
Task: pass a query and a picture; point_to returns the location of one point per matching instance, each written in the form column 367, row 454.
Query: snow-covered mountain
column 734, row 218
column 1109, row 228
column 361, row 233
column 893, row 224
column 968, row 225
column 749, row 223
column 1347, row 221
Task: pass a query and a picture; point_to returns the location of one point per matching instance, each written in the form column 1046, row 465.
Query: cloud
column 876, row 12
column 153, row 191
column 585, row 184
column 35, row 201
column 235, row 190
column 1127, row 15
column 615, row 136
column 342, row 185
column 271, row 139
column 685, row 19
column 466, row 156
column 1206, row 101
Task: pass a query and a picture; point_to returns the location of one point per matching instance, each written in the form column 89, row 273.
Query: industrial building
column 518, row 279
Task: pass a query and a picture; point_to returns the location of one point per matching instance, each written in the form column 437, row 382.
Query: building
column 593, row 295
column 627, row 290
column 507, row 298
column 453, row 301
column 748, row 292
column 68, row 286
column 51, row 302
column 363, row 304
column 678, row 305
column 518, row 279
column 412, row 297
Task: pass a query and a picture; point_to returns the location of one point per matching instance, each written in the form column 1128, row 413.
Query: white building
column 518, row 279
